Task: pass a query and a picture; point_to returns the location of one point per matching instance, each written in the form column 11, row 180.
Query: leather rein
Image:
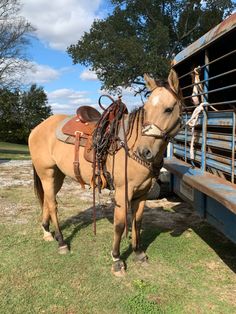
column 105, row 139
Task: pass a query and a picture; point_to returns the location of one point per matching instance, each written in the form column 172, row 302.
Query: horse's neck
column 134, row 128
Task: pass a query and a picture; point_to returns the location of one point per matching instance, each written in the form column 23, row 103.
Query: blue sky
column 58, row 24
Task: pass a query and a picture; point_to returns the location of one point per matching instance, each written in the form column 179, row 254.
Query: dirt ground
column 15, row 174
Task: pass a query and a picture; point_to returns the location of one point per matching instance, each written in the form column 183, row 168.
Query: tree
column 34, row 107
column 14, row 32
column 143, row 36
column 20, row 112
column 9, row 114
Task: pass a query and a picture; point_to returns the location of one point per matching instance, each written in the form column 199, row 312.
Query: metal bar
column 210, row 78
column 207, row 64
column 221, row 143
column 220, row 58
column 210, row 135
column 226, row 161
column 185, row 139
column 204, row 124
column 213, row 161
column 211, row 91
column 213, row 104
column 233, row 147
column 222, row 120
column 170, row 150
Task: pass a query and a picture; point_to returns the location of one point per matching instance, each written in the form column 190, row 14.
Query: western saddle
column 88, row 128
column 79, row 130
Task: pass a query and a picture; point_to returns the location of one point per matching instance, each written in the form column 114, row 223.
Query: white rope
column 197, row 88
column 192, row 122
column 194, row 118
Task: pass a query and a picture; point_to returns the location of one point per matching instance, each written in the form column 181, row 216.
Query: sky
column 60, row 23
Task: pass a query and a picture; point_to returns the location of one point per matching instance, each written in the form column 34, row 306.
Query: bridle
column 152, row 129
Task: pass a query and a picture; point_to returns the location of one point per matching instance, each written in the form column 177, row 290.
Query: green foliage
column 20, row 112
column 142, row 36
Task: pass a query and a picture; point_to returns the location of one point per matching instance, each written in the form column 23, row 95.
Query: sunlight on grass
column 185, row 275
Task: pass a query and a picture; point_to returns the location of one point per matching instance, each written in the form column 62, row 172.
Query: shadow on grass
column 223, row 247
column 158, row 220
column 14, row 152
column 85, row 218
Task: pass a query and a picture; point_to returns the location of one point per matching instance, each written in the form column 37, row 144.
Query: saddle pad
column 61, row 136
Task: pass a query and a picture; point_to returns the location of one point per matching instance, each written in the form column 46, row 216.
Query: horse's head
column 162, row 117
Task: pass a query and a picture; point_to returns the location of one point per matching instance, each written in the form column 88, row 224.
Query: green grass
column 185, row 274
column 13, row 151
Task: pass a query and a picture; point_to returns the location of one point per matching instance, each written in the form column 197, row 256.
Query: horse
column 149, row 130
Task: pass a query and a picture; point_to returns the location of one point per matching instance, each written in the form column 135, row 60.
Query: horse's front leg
column 118, row 267
column 137, row 207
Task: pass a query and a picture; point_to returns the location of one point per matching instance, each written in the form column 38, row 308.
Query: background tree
column 143, row 36
column 9, row 114
column 20, row 112
column 14, row 32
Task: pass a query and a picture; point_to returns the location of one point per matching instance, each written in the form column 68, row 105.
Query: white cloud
column 26, row 72
column 88, row 75
column 68, row 100
column 40, row 74
column 62, row 22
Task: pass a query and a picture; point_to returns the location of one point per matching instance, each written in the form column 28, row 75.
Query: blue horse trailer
column 201, row 161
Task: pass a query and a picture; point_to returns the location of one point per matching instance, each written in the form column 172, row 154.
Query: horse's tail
column 38, row 188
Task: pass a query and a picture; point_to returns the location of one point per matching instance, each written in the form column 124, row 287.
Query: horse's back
column 49, row 123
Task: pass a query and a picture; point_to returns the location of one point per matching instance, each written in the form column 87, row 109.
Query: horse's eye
column 169, row 110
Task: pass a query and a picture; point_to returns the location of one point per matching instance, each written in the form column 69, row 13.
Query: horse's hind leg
column 51, row 185
column 58, row 178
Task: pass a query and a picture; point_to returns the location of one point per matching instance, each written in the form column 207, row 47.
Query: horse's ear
column 150, row 82
column 173, row 81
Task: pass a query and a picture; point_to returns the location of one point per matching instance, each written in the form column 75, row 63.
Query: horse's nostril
column 147, row 154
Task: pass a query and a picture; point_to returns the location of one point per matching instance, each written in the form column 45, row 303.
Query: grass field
column 191, row 269
column 13, row 151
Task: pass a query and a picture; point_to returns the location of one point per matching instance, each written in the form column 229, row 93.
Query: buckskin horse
column 149, row 128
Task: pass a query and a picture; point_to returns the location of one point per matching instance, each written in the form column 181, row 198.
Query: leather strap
column 124, row 144
column 76, row 160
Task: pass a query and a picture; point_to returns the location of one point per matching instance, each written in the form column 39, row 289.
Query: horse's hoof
column 63, row 250
column 118, row 268
column 48, row 238
column 141, row 258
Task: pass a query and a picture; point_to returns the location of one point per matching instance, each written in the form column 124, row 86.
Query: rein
column 105, row 139
column 110, row 135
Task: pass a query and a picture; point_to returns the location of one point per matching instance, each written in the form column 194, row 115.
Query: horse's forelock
column 162, row 83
